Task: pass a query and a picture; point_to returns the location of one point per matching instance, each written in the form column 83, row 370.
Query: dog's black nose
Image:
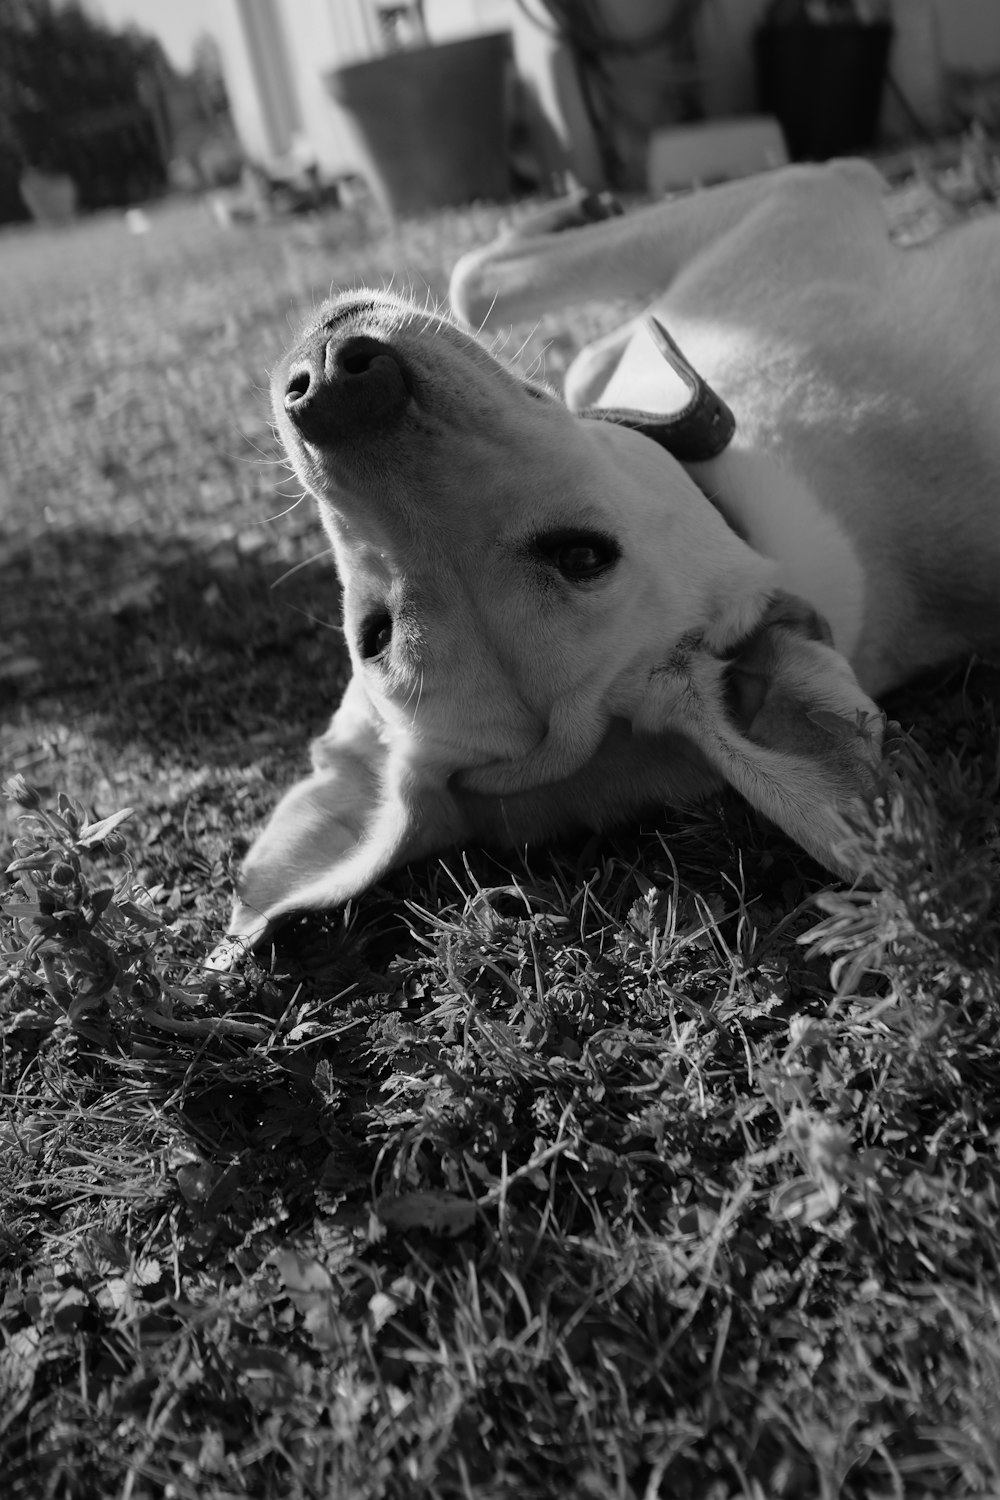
column 340, row 386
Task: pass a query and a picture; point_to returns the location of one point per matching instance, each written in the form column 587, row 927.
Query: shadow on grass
column 194, row 652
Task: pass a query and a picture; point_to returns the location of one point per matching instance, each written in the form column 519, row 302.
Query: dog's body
column 553, row 622
column 865, row 379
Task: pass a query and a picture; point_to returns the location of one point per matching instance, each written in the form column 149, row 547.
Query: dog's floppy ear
column 364, row 810
column 781, row 716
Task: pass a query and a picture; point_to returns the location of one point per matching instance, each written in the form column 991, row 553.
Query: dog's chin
column 551, row 760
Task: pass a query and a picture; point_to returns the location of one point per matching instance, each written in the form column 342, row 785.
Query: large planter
column 824, row 84
column 431, row 122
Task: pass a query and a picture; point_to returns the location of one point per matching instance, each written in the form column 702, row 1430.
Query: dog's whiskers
column 486, row 315
column 530, row 335
column 262, row 462
column 428, row 311
column 420, row 694
column 538, row 363
column 418, row 689
column 499, row 342
column 279, row 515
column 315, row 620
column 305, row 562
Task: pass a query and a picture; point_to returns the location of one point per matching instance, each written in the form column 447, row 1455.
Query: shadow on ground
column 189, row 651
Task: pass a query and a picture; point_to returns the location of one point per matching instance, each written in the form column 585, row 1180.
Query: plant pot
column 824, row 84
column 431, row 122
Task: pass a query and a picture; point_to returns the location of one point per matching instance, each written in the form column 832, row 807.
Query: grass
column 655, row 1166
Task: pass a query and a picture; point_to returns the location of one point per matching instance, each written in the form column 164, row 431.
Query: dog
column 567, row 614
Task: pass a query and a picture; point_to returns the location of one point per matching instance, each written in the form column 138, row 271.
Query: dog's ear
column 317, row 850
column 781, row 716
column 362, row 812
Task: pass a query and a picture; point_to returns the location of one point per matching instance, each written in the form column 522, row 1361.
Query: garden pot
column 824, row 84
column 431, row 122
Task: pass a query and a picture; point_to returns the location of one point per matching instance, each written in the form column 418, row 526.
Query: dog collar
column 699, row 431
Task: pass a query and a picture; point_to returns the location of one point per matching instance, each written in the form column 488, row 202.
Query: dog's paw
column 597, row 206
column 573, row 212
column 578, row 208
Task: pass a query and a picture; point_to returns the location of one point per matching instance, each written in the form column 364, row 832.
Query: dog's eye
column 376, row 633
column 579, row 555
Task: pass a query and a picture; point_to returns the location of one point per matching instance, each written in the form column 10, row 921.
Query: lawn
column 655, row 1166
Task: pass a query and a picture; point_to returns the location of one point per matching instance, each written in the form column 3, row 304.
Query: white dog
column 560, row 619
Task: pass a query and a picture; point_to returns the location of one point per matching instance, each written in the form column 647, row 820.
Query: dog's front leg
column 530, row 270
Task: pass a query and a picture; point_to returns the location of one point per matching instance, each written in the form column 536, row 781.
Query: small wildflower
column 16, row 789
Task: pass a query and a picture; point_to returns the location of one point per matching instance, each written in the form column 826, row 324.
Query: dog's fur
column 551, row 621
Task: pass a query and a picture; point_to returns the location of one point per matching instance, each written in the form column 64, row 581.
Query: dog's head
column 522, row 588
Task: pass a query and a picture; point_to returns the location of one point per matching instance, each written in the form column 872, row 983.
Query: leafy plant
column 77, row 945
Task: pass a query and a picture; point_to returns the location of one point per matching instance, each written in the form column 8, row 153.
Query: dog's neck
column 776, row 513
column 768, row 506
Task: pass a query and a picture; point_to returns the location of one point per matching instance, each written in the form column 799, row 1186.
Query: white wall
column 447, row 20
column 318, row 35
column 241, row 84
column 327, row 34
column 970, row 34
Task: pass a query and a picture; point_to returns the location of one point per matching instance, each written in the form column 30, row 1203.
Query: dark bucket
column 431, row 121
column 824, row 84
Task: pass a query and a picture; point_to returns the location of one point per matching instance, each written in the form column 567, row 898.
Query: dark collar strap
column 699, row 431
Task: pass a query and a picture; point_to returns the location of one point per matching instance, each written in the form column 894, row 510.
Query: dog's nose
column 345, row 385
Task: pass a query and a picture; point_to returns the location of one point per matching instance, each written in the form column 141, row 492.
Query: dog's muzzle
column 337, row 386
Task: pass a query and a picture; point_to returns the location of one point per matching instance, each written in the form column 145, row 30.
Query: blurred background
column 112, row 102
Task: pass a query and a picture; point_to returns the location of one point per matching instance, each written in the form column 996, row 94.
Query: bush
column 73, row 99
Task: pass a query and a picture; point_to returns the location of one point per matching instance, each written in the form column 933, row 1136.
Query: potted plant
column 430, row 118
column 821, row 68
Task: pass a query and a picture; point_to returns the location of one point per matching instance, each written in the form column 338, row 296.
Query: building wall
column 327, row 34
column 274, row 57
column 241, row 83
